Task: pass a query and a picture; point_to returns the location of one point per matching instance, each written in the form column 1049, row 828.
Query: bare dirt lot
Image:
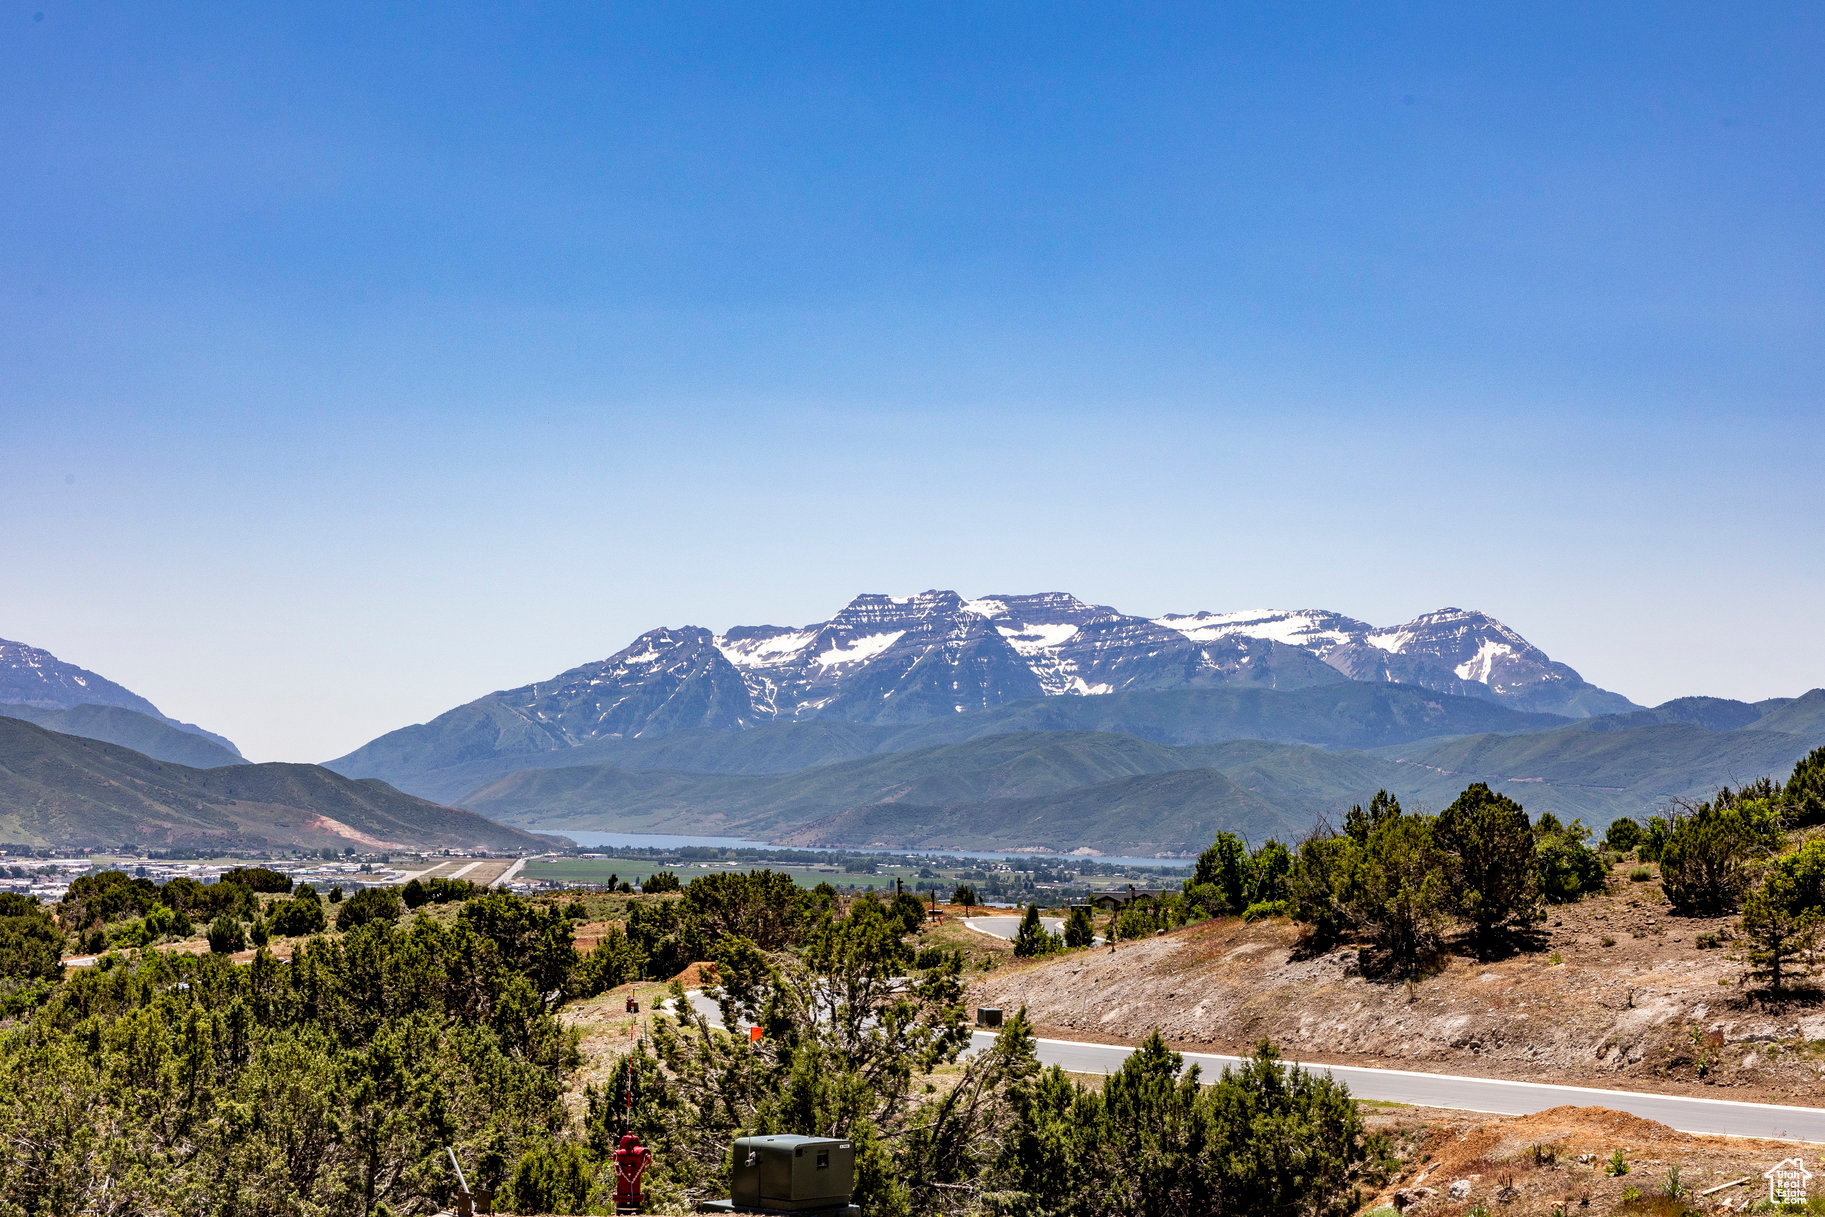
column 1615, row 992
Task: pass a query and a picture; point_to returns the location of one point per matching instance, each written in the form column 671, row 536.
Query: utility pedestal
column 802, row 1176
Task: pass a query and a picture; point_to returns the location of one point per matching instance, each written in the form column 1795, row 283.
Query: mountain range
column 1040, row 721
column 1015, row 722
column 902, row 660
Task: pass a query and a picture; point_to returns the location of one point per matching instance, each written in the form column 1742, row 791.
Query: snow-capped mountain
column 665, row 680
column 903, row 659
column 1450, row 650
column 906, row 659
column 36, row 679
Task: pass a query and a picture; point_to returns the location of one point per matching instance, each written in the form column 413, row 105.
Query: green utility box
column 784, row 1174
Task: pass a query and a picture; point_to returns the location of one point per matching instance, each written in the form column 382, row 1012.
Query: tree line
column 1747, row 851
column 1400, row 881
column 1394, row 879
column 862, row 1037
column 177, row 1083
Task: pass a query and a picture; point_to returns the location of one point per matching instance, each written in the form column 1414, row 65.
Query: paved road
column 1494, row 1095
column 507, row 876
column 1008, row 926
column 1490, row 1094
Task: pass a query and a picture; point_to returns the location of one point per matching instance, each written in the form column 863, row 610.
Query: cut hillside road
column 1493, row 1095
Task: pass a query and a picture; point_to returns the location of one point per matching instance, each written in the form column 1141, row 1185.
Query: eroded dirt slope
column 1617, row 993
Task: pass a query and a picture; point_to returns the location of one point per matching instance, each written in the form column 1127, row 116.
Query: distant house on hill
column 1121, row 898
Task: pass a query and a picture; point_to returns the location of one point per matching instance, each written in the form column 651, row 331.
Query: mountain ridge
column 1344, row 714
column 34, row 678
column 887, row 660
column 67, row 791
column 153, row 737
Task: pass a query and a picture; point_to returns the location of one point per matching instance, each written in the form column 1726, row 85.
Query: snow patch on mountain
column 859, row 650
column 1037, row 639
column 1483, row 663
column 758, row 652
column 1314, row 630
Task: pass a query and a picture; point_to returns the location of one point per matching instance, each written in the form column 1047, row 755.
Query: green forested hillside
column 66, row 791
column 1064, row 789
column 1023, row 765
column 1143, row 814
column 1344, row 714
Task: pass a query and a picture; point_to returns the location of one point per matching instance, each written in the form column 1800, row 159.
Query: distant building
column 1121, row 898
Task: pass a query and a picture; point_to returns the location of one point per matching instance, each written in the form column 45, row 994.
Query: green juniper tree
column 1398, row 894
column 1032, row 938
column 1224, row 867
column 1804, row 794
column 1711, row 851
column 1778, row 936
column 1782, row 916
column 1492, row 877
column 1263, row 1139
column 1623, row 835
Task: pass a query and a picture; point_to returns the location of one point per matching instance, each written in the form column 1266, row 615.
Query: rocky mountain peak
column 905, row 659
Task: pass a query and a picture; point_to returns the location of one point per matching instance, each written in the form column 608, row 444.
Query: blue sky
column 354, row 362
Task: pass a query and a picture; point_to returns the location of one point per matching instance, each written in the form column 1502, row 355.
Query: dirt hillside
column 1616, row 992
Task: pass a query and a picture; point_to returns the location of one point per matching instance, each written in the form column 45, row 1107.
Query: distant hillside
column 1045, row 789
column 35, row 678
column 1149, row 814
column 1344, row 714
column 69, row 792
column 1065, row 790
column 997, row 766
column 154, row 737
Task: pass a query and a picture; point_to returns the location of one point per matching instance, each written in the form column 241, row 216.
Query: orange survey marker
column 754, row 1035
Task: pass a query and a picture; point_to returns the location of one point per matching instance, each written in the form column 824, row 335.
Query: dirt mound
column 589, row 935
column 1561, row 1161
column 697, row 975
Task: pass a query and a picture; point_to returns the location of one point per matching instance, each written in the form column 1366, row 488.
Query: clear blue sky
column 357, row 360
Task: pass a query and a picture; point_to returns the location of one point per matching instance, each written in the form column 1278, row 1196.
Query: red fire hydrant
column 631, row 1161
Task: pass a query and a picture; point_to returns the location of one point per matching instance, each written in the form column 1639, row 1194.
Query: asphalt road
column 1008, row 926
column 1494, row 1095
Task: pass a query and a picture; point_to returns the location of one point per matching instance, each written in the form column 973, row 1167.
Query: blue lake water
column 655, row 840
